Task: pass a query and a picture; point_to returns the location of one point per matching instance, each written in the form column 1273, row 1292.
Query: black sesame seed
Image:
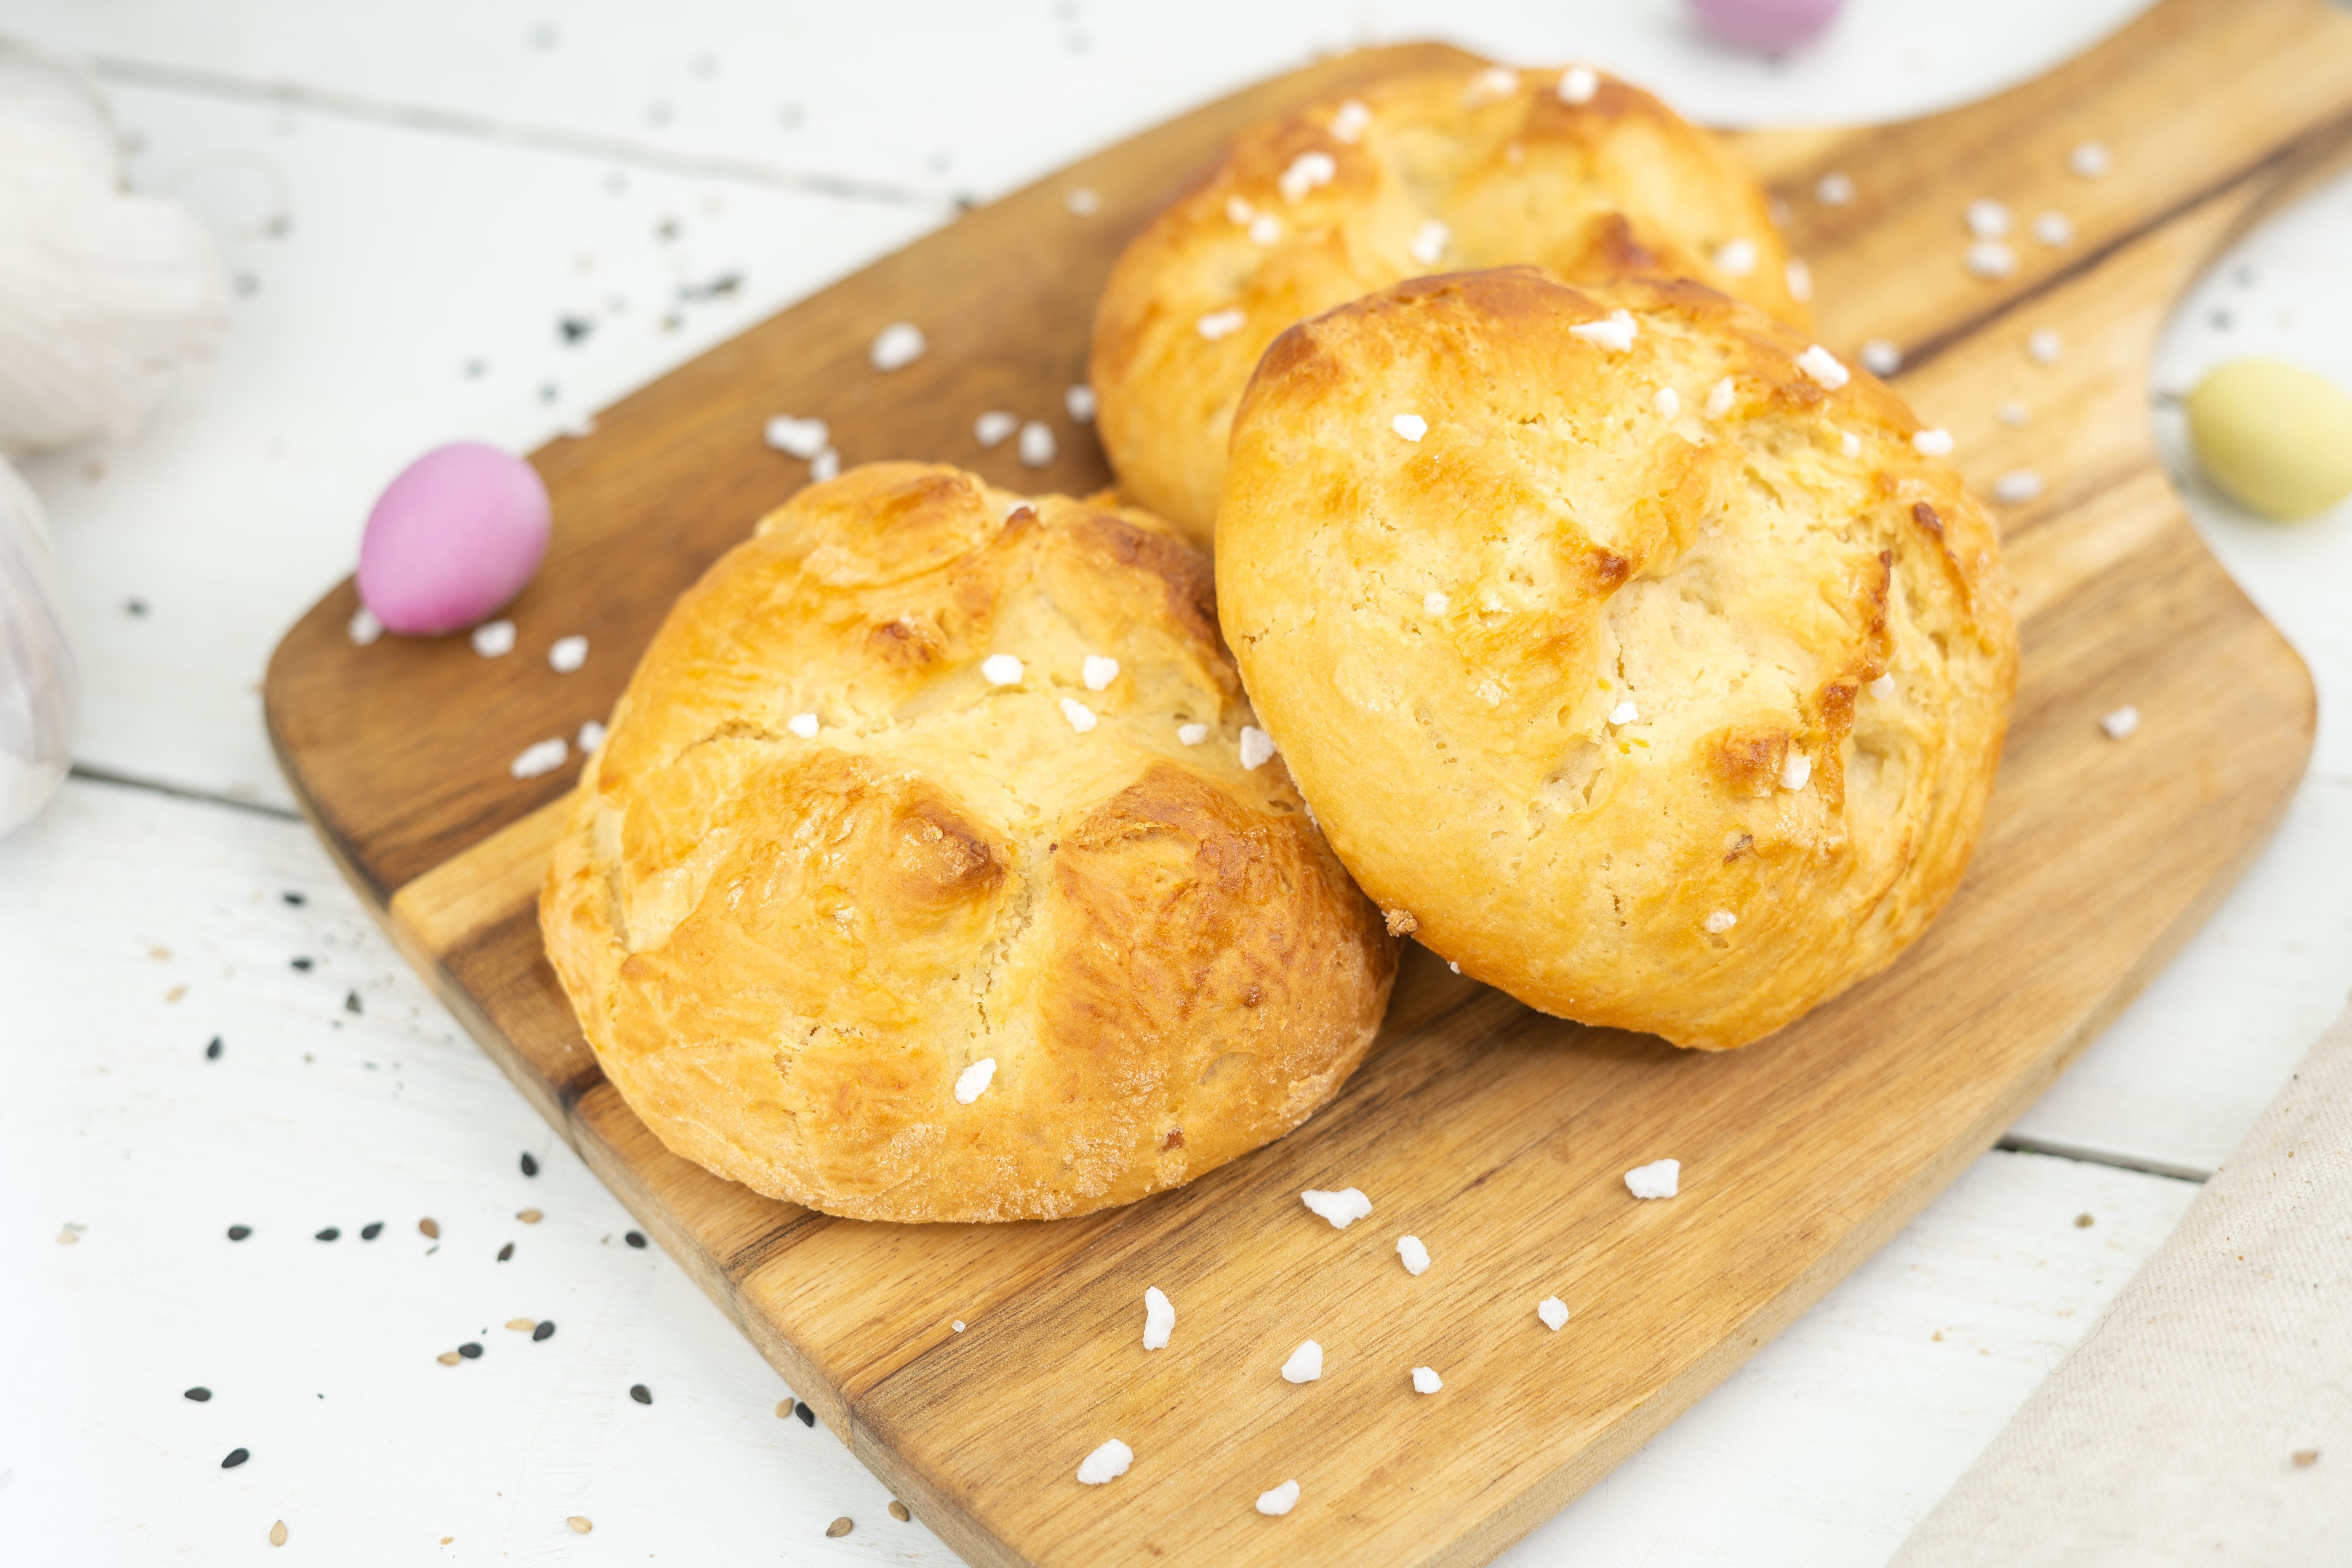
column 574, row 328
column 371, row 1231
column 641, row 1394
column 807, row 1415
column 295, row 899
column 470, row 1351
column 135, row 606
column 302, row 964
column 506, row 1252
column 235, row 1458
column 328, row 1234
column 199, row 1393
column 529, row 1166
column 635, row 1238
column 544, row 1331
column 350, row 1002
column 239, row 1232
column 213, row 1050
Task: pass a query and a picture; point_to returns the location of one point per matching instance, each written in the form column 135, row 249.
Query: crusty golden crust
column 1444, row 636
column 786, row 949
column 1507, row 171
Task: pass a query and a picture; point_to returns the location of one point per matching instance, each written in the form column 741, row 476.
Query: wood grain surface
column 1496, row 1136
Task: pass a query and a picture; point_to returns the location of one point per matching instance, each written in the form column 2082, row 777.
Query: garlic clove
column 40, row 684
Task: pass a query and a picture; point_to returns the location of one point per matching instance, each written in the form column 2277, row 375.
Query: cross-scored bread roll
column 922, row 877
column 1427, row 173
column 1628, row 650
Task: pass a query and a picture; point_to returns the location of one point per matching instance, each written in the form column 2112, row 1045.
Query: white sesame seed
column 1430, row 240
column 1434, row 603
column 1238, row 212
column 1823, row 367
column 1264, row 229
column 1426, row 1381
column 1668, row 403
column 995, row 427
column 1001, row 670
column 1625, row 712
column 1578, row 84
column 1849, row 443
column 801, row 438
column 592, row 736
column 567, row 654
column 1615, row 333
column 2120, row 723
column 1736, row 258
column 2014, row 413
column 1834, row 190
column 1191, row 734
column 1800, row 277
column 2055, row 230
column 1257, row 748
column 1306, row 171
column 1099, row 671
column 1494, row 82
column 957, row 1325
column 1987, row 219
column 1796, row 770
column 494, row 639
column 1079, row 403
column 1554, row 1312
column 1659, row 1179
column 803, row 724
column 824, row 465
column 2017, row 487
column 1342, row 1208
column 1159, row 1318
column 1219, row 324
column 1936, row 443
column 2090, row 160
column 1411, row 427
column 1721, row 920
column 973, row 1081
column 542, row 757
column 1306, row 1363
column 363, row 627
column 1082, row 202
column 1349, row 122
column 1107, row 1463
column 1414, row 1255
column 1719, row 398
column 896, row 346
column 1038, row 445
column 1280, row 1501
column 1454, row 966
column 1988, row 258
column 1882, row 687
column 1881, row 358
column 2043, row 346
column 1082, row 718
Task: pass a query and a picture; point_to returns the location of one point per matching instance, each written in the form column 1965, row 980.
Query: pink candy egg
column 1765, row 23
column 457, row 535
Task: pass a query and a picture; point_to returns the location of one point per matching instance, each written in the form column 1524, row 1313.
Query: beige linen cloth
column 2208, row 1417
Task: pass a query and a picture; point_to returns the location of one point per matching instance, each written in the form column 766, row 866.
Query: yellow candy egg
column 2275, row 436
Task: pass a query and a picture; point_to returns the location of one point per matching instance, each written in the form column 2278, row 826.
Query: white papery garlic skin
column 40, row 688
column 103, row 292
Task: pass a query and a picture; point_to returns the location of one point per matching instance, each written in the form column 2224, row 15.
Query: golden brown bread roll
column 1659, row 680
column 1425, row 172
column 825, row 864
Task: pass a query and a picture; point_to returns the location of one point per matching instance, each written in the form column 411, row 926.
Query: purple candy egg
column 456, row 536
column 1765, row 23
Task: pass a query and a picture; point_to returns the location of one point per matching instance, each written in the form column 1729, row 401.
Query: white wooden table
column 411, row 196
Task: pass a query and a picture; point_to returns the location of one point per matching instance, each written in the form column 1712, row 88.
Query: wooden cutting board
column 1497, row 1135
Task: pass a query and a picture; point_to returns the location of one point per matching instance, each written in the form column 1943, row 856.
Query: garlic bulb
column 102, row 292
column 40, row 689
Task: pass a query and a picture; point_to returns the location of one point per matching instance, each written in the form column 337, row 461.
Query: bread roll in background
column 1659, row 680
column 824, row 866
column 1435, row 171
